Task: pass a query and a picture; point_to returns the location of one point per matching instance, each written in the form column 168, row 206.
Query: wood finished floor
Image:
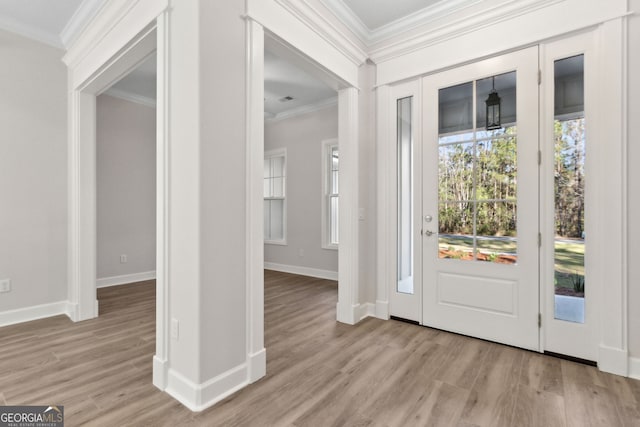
column 320, row 373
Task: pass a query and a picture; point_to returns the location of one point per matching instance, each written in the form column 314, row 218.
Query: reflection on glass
column 569, row 189
column 477, row 172
column 405, row 196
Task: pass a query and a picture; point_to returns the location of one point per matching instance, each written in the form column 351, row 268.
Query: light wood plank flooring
column 320, row 373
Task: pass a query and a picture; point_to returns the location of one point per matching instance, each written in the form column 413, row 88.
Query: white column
column 163, row 213
column 613, row 355
column 256, row 354
column 348, row 304
column 385, row 244
column 83, row 304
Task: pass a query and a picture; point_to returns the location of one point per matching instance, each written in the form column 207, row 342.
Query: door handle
column 427, row 233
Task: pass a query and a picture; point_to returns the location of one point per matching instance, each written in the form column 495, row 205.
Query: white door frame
column 407, row 306
column 348, row 309
column 130, row 33
column 120, row 38
column 611, row 120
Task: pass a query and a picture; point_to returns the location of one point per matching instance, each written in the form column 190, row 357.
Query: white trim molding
column 282, row 19
column 256, row 365
column 131, row 97
column 430, row 51
column 421, row 17
column 125, row 279
column 254, row 228
column 35, row 312
column 350, row 47
column 302, row 271
column 13, row 26
column 365, row 310
column 160, row 372
column 87, row 10
column 348, row 253
column 385, row 241
column 634, row 368
column 613, row 360
column 198, row 397
column 304, row 109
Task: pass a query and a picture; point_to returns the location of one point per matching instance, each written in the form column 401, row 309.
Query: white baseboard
column 257, row 363
column 198, row 397
column 346, row 313
column 634, row 368
column 303, row 271
column 125, row 279
column 36, row 312
column 382, row 310
column 613, row 360
column 366, row 310
column 160, row 372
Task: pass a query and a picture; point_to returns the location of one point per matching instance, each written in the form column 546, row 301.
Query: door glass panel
column 477, row 170
column 405, row 196
column 569, row 188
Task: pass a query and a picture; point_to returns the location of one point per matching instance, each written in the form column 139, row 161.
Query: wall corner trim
column 160, row 372
column 257, row 365
column 382, row 310
column 365, row 310
column 634, row 368
column 198, row 397
column 613, row 360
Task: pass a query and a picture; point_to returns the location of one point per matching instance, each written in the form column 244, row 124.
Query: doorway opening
column 126, row 178
column 301, row 169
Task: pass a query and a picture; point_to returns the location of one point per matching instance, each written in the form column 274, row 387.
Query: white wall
column 634, row 179
column 33, row 173
column 126, row 187
column 302, row 136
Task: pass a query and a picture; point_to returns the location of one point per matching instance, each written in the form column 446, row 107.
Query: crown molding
column 101, row 24
column 298, row 111
column 13, row 26
column 131, row 97
column 318, row 23
column 87, row 10
column 419, row 18
column 505, row 10
column 349, row 18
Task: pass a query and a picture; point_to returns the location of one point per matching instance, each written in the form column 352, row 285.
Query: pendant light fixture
column 493, row 108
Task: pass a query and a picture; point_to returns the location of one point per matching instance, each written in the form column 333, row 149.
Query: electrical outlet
column 123, row 259
column 5, row 285
column 175, row 329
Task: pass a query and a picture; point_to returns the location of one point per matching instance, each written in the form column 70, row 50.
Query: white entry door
column 479, row 221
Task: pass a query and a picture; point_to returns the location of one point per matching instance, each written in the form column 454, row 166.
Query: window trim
column 327, row 147
column 268, row 154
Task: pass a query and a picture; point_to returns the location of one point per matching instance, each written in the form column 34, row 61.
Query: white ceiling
column 282, row 79
column 50, row 16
